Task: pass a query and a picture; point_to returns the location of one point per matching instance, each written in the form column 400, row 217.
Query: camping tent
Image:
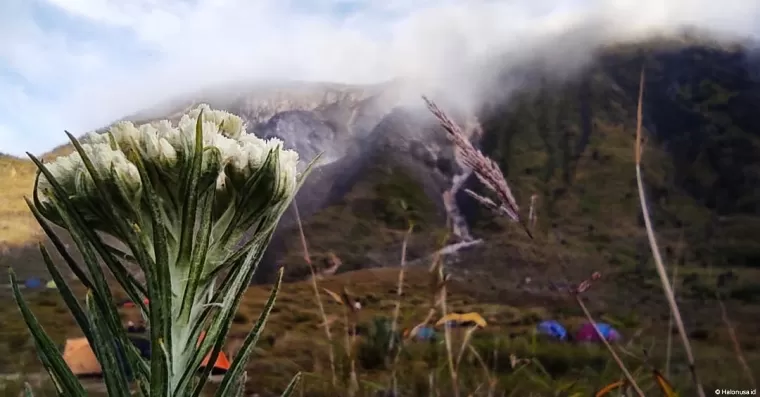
column 129, row 303
column 462, row 320
column 552, row 329
column 221, row 365
column 425, row 334
column 81, row 359
column 586, row 333
column 50, row 284
column 142, row 344
column 79, row 356
column 33, row 283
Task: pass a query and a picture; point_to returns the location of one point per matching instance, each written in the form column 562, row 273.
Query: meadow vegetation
column 571, row 143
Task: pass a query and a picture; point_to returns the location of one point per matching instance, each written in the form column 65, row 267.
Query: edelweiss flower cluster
column 163, row 143
column 183, row 214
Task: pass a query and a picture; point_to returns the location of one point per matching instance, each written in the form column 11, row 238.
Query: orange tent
column 79, row 356
column 221, row 365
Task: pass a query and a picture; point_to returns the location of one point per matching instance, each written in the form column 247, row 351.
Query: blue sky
column 80, row 64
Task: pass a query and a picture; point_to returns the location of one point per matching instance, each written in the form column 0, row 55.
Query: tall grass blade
column 669, row 295
column 65, row 381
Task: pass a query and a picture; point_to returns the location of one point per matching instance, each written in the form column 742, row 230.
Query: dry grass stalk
column 669, row 295
column 614, row 355
column 351, row 312
column 400, row 288
column 492, row 379
column 491, row 176
column 669, row 347
column 484, row 168
column 735, row 342
column 317, row 296
column 532, row 213
column 577, row 292
column 465, row 344
column 350, row 319
column 397, row 309
column 442, row 279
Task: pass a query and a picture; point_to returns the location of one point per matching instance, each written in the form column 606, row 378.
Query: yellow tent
column 79, row 356
column 463, row 319
column 50, row 284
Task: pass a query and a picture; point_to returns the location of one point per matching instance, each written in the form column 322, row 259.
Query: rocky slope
column 566, row 141
column 351, row 127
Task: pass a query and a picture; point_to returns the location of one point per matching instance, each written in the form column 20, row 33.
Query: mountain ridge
column 557, row 139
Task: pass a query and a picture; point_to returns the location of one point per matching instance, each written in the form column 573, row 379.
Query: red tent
column 128, row 303
column 586, row 333
column 221, row 365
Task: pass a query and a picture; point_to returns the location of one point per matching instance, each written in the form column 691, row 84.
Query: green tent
column 50, row 284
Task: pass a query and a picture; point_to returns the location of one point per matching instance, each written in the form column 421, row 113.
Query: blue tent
column 33, row 283
column 425, row 333
column 142, row 345
column 553, row 329
column 587, row 333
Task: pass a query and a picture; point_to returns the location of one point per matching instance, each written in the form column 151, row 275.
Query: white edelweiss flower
column 289, row 169
column 104, row 158
column 146, row 129
column 166, row 151
column 287, row 166
column 95, row 137
column 71, row 173
column 165, row 130
column 232, row 125
column 229, row 148
column 186, row 125
column 195, row 112
column 210, row 130
column 289, row 160
column 125, row 132
column 252, row 153
column 64, row 170
column 159, row 149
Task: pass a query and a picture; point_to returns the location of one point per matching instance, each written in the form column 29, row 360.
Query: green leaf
column 73, row 265
column 67, row 294
column 83, row 235
column 159, row 319
column 249, row 201
column 238, row 390
column 101, row 291
column 189, row 205
column 66, row 382
column 230, row 294
column 199, row 257
column 159, row 285
column 238, row 365
column 106, row 348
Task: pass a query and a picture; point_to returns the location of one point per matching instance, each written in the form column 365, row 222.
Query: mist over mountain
column 566, row 137
column 173, row 49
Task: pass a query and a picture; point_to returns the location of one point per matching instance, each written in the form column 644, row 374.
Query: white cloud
column 78, row 64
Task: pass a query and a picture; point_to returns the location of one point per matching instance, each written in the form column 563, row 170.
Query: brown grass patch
column 17, row 226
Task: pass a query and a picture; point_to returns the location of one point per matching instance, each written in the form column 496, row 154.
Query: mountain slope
column 568, row 141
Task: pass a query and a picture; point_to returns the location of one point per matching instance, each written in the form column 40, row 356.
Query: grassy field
column 294, row 341
column 16, row 226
